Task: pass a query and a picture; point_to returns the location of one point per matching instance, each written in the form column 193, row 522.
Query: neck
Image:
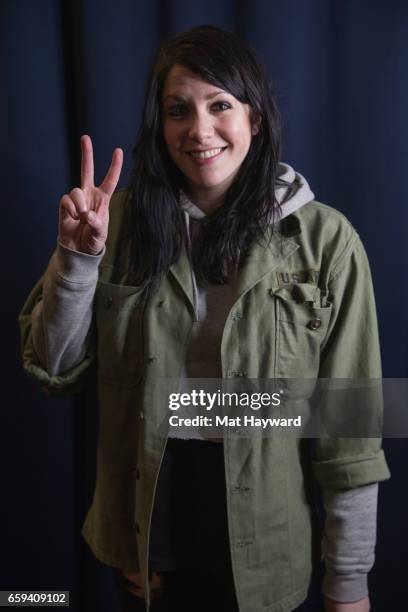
column 207, row 202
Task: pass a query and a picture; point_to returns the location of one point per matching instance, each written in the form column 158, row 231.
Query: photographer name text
column 239, row 421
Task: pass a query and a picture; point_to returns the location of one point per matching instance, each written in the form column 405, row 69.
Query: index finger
column 87, row 163
column 111, row 179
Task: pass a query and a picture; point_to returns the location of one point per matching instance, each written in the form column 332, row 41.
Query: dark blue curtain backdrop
column 74, row 67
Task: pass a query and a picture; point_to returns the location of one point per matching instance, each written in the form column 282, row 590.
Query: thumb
column 95, row 224
column 92, row 218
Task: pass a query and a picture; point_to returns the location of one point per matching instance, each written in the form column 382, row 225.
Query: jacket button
column 141, row 415
column 315, row 323
column 242, row 543
column 108, row 301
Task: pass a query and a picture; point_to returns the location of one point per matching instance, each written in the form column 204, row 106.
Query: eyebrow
column 208, row 97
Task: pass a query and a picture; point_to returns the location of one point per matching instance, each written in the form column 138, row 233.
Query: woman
column 192, row 272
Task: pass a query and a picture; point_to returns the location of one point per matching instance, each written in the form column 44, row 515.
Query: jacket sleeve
column 58, row 337
column 351, row 350
column 57, row 334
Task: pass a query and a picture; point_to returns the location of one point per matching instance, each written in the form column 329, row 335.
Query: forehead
column 182, row 81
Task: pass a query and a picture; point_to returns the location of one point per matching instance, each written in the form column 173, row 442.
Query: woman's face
column 207, row 132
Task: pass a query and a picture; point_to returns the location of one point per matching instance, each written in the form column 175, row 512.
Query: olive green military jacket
column 133, row 348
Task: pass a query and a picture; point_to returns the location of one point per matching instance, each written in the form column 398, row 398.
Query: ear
column 255, row 123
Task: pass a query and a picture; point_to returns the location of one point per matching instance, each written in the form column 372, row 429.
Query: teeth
column 206, row 154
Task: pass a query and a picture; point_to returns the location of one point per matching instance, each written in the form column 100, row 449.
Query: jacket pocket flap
column 110, row 296
column 300, row 293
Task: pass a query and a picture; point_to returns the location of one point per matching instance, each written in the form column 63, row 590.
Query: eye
column 176, row 110
column 179, row 110
column 224, row 105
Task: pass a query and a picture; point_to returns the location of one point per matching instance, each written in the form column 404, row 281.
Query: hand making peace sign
column 84, row 212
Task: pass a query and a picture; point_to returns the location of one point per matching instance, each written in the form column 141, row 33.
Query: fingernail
column 91, row 216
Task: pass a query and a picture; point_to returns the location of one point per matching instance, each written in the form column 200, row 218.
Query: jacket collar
column 264, row 259
column 182, row 272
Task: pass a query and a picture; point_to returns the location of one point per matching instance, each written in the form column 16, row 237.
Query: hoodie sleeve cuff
column 74, row 266
column 345, row 588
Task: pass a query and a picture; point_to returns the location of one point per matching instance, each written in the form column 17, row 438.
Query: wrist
column 363, row 605
column 345, row 588
column 76, row 266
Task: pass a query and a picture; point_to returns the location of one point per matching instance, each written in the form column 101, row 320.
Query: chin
column 207, row 184
column 209, row 181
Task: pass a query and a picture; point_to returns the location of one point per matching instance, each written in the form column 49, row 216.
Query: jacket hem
column 288, row 603
column 106, row 557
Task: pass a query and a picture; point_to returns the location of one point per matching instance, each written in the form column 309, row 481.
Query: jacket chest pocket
column 119, row 324
column 302, row 319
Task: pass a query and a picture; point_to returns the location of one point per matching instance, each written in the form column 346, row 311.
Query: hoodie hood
column 302, row 194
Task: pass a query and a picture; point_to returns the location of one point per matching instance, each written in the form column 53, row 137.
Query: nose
column 201, row 128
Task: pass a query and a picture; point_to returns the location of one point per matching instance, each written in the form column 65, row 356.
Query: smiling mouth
column 206, row 154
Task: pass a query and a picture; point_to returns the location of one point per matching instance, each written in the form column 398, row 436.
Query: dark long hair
column 156, row 225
